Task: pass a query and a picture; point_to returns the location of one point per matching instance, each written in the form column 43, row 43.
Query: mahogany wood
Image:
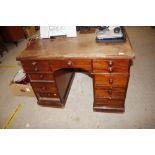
column 109, row 92
column 12, row 33
column 41, row 77
column 50, row 65
column 111, row 66
column 115, row 80
column 64, row 80
column 44, row 87
column 34, row 66
column 71, row 63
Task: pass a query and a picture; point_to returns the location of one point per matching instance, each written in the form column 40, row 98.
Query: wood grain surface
column 82, row 46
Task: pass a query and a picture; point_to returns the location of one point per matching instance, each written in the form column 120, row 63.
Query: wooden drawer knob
column 54, row 94
column 69, row 63
column 110, row 63
column 36, row 69
column 109, row 100
column 110, row 69
column 41, row 76
column 110, row 81
column 43, row 88
column 34, row 63
column 110, row 91
column 49, row 94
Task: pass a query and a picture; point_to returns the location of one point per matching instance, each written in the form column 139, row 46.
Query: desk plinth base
column 51, row 103
column 108, row 109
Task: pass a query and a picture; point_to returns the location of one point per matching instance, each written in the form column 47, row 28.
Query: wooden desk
column 12, row 33
column 50, row 65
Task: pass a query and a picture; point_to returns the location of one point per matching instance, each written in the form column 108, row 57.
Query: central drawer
column 71, row 63
column 115, row 80
column 44, row 87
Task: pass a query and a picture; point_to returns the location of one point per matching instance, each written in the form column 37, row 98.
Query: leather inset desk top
column 82, row 46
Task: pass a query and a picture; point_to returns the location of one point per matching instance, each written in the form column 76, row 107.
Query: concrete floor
column 78, row 112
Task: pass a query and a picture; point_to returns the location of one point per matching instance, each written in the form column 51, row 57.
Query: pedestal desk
column 50, row 65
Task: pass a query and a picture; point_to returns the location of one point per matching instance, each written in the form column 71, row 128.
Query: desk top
column 83, row 46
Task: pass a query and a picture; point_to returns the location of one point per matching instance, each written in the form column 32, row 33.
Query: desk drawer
column 109, row 102
column 44, row 87
column 115, row 80
column 78, row 63
column 110, row 92
column 36, row 66
column 41, row 76
column 47, row 95
column 111, row 66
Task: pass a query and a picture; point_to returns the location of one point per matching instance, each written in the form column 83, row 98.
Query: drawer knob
column 41, row 76
column 36, row 69
column 34, row 63
column 110, row 91
column 110, row 63
column 110, row 81
column 110, row 69
column 109, row 99
column 54, row 94
column 43, row 88
column 69, row 63
column 49, row 94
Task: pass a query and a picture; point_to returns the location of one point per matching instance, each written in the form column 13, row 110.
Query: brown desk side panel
column 63, row 78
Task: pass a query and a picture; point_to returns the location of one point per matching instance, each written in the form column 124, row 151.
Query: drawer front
column 47, row 95
column 41, row 76
column 110, row 92
column 44, row 87
column 111, row 66
column 115, row 80
column 36, row 66
column 109, row 102
column 82, row 64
